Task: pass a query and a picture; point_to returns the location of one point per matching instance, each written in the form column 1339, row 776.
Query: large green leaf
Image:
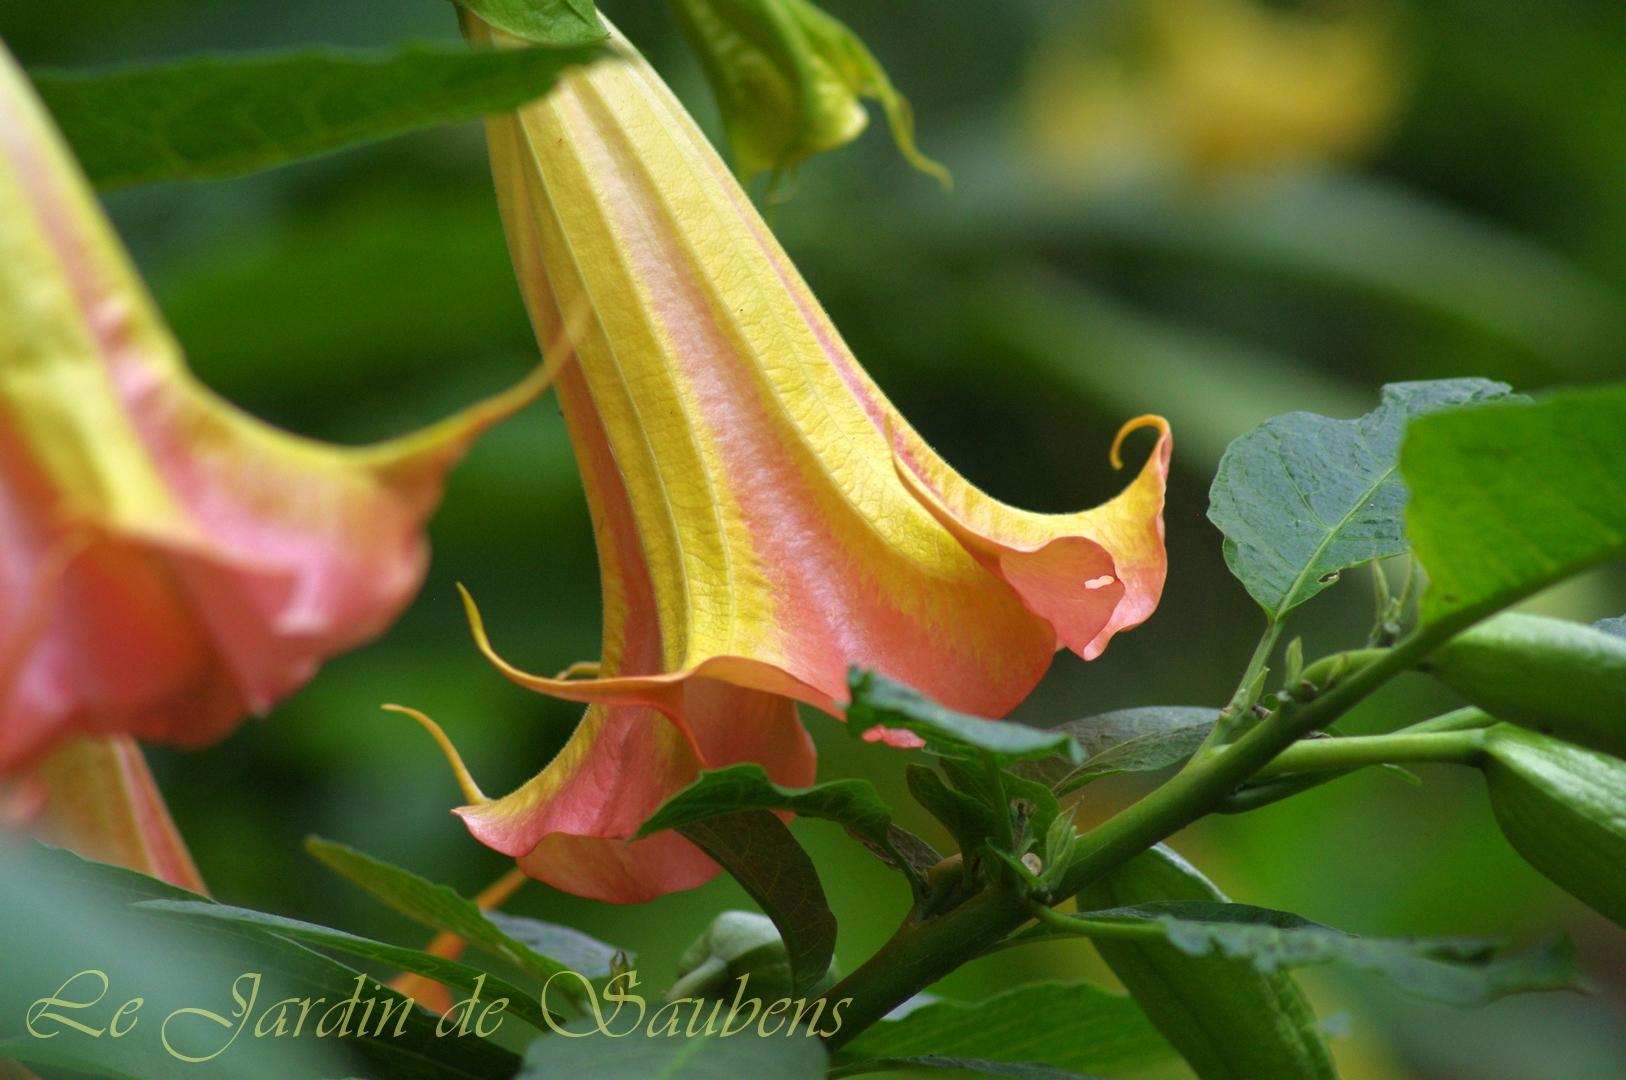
column 1458, row 971
column 1302, row 497
column 441, row 908
column 1229, row 1020
column 853, row 804
column 60, row 915
column 451, row 973
column 546, row 22
column 645, row 1052
column 1072, row 1026
column 879, row 702
column 1013, row 1070
column 1511, row 497
column 1127, row 740
column 756, row 848
column 215, row 116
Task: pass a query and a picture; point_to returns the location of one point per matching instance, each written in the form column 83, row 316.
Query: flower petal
column 167, row 563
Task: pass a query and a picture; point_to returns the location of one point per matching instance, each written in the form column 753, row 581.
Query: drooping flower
column 764, row 517
column 167, row 563
column 96, row 796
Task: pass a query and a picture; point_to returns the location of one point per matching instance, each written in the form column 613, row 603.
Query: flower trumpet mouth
column 764, row 517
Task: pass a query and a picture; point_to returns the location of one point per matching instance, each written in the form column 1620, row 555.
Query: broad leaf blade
column 1302, row 497
column 1013, row 1070
column 1457, row 971
column 212, row 117
column 1127, row 740
column 435, row 906
column 451, row 973
column 756, row 848
column 880, row 702
column 545, row 22
column 1511, row 497
column 1227, row 1018
column 57, row 910
column 1072, row 1026
column 736, row 1055
column 854, row 804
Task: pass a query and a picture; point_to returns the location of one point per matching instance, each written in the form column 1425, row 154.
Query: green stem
column 1319, row 755
column 1003, row 832
column 1095, row 929
column 1459, row 720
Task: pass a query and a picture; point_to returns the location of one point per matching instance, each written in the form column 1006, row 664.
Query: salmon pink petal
column 167, row 563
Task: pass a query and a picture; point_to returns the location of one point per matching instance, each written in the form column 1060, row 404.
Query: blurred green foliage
column 1481, row 231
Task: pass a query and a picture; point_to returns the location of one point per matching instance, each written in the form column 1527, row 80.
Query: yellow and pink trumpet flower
column 765, row 518
column 167, row 563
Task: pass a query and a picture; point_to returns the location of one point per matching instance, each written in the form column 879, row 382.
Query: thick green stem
column 920, row 953
column 1318, row 755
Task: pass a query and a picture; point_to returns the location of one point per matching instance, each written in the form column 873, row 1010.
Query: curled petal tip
column 471, row 790
column 1130, row 427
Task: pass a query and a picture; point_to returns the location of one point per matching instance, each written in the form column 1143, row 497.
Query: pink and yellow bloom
column 764, row 516
column 167, row 563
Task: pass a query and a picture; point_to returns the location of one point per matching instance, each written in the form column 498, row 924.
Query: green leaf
column 1550, row 675
column 1015, row 1070
column 1227, row 1018
column 969, row 820
column 853, row 804
column 880, row 702
column 1510, row 497
column 581, row 953
column 1457, row 971
column 755, row 847
column 647, row 1053
column 1302, row 497
column 60, row 914
column 210, row 117
column 452, row 973
column 441, row 908
column 1073, row 1026
column 1127, row 740
column 1564, row 809
column 545, row 22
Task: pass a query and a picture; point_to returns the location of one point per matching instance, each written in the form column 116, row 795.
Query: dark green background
column 368, row 292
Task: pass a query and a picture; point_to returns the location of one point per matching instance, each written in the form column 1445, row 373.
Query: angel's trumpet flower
column 96, row 795
column 167, row 564
column 764, row 516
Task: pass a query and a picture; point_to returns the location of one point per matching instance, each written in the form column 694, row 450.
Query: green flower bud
column 1564, row 809
column 736, row 944
column 788, row 78
column 1549, row 675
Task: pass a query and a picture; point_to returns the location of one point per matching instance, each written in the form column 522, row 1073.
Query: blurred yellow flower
column 1202, row 87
